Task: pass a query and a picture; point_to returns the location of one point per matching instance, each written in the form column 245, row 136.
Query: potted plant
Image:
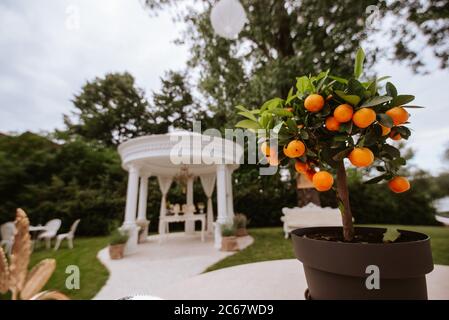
column 240, row 223
column 117, row 244
column 324, row 121
column 228, row 240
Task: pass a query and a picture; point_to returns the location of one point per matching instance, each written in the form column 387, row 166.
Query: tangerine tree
column 326, row 119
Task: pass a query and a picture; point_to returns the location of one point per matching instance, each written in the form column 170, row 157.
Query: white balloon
column 228, row 18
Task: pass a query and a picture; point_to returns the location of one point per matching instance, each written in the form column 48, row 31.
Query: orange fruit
column 361, row 157
column 301, row 167
column 323, row 181
column 399, row 115
column 332, row 124
column 265, row 148
column 289, row 109
column 286, row 151
column 399, row 184
column 364, row 117
column 343, row 113
column 314, row 103
column 294, row 149
column 395, row 137
column 385, row 130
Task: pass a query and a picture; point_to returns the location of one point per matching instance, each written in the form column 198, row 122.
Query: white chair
column 51, row 229
column 176, row 209
column 69, row 236
column 7, row 232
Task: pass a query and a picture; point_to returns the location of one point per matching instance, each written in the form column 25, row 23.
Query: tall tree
column 282, row 39
column 110, row 110
column 173, row 105
column 419, row 25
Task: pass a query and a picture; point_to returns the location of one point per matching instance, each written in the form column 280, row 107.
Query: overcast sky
column 47, row 54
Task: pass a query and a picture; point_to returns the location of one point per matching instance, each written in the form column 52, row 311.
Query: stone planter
column 116, row 251
column 342, row 270
column 229, row 244
column 241, row 232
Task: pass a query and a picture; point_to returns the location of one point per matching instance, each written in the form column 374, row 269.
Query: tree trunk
column 344, row 205
column 306, row 196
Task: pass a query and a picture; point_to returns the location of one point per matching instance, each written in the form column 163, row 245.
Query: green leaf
column 391, row 90
column 304, row 134
column 391, row 235
column 291, row 124
column 385, row 120
column 282, row 112
column 372, row 88
column 248, row 115
column 352, row 99
column 265, row 119
column 383, row 78
column 375, row 101
column 342, row 154
column 310, row 153
column 358, row 66
column 399, row 162
column 392, row 151
column 290, row 96
column 278, row 127
column 402, row 99
column 346, row 127
column 272, row 104
column 376, row 179
column 248, row 124
column 303, row 85
column 242, row 108
column 339, row 79
column 323, row 76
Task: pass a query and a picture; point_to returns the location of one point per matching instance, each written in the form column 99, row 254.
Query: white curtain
column 164, row 186
column 208, row 183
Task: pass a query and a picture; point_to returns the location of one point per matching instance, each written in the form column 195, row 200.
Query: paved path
column 156, row 266
column 278, row 279
column 173, row 270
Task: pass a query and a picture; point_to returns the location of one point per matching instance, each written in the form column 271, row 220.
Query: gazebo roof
column 157, row 154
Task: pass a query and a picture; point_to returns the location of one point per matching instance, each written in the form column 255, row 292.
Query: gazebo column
column 189, row 227
column 129, row 225
column 229, row 193
column 222, row 216
column 142, row 220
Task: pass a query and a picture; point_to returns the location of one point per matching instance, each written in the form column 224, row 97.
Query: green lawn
column 93, row 274
column 269, row 244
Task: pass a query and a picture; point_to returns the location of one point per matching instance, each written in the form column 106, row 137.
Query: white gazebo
column 172, row 156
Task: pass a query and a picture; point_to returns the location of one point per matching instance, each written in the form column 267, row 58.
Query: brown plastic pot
column 116, row 251
column 338, row 270
column 229, row 244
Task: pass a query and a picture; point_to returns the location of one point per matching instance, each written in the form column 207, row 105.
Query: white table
column 165, row 221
